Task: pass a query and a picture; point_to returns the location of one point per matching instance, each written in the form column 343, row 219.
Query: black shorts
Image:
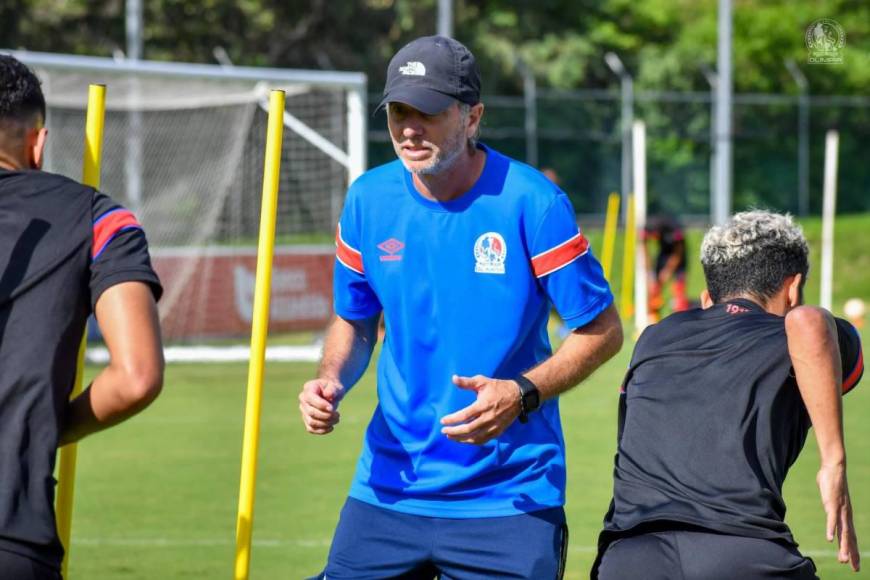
column 692, row 555
column 16, row 567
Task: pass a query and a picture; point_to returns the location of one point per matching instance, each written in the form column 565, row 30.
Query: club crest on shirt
column 490, row 252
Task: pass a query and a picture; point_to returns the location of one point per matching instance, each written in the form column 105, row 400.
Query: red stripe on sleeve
column 560, row 256
column 108, row 226
column 352, row 259
column 853, row 377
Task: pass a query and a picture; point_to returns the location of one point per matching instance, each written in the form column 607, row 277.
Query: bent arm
column 127, row 315
column 582, row 352
column 498, row 401
column 347, row 351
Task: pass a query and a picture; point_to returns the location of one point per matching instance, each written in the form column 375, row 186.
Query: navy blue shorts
column 371, row 542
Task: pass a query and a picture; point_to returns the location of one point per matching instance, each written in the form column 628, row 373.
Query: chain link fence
column 578, row 135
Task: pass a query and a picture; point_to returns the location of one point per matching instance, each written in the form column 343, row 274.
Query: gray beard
column 443, row 163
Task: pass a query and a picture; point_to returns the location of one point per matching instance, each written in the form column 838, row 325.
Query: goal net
column 184, row 150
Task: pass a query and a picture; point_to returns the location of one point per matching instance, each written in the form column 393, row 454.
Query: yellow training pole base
column 259, row 330
column 94, row 124
column 67, row 474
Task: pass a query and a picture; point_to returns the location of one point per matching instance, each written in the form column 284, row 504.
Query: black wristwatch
column 530, row 397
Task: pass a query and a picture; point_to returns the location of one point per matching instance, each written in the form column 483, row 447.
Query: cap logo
column 413, row 68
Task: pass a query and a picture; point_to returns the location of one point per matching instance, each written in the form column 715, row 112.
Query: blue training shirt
column 465, row 287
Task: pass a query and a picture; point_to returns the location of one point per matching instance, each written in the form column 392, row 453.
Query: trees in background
column 665, row 44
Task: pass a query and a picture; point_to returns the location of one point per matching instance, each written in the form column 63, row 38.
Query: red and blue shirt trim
column 109, row 225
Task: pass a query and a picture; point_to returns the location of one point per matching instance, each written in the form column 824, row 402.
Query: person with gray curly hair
column 716, row 407
column 752, row 254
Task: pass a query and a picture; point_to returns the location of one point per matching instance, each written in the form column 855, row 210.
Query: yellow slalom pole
column 259, row 329
column 628, row 261
column 609, row 233
column 94, row 123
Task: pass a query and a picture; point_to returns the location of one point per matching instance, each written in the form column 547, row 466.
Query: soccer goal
column 183, row 149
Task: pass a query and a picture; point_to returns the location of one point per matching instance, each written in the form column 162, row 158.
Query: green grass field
column 156, row 497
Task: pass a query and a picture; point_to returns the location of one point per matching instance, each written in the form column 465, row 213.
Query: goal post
column 263, row 79
column 185, row 150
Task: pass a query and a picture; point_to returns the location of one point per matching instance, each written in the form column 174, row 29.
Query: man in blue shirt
column 462, row 472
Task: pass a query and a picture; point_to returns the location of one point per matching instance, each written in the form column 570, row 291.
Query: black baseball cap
column 431, row 73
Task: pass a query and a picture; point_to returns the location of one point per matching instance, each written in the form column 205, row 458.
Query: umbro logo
column 413, row 68
column 391, row 249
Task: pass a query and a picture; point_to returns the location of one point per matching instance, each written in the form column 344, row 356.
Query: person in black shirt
column 66, row 250
column 670, row 263
column 715, row 408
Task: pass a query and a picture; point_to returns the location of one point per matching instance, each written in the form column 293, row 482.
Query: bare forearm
column 812, row 344
column 582, row 352
column 347, row 350
column 128, row 320
column 115, row 395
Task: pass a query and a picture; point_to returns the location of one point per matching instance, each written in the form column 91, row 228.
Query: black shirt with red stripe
column 62, row 245
column 710, row 421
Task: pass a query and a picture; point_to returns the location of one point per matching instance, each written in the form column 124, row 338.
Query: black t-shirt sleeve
column 851, row 356
column 119, row 250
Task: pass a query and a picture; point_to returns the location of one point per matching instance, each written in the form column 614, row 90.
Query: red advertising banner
column 210, row 293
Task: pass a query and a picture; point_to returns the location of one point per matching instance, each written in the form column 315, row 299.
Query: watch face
column 535, row 399
column 530, row 394
column 532, row 399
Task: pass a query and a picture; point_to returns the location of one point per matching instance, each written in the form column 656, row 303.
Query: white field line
column 305, row 543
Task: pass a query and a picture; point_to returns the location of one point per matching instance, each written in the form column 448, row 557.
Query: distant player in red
column 66, row 251
column 669, row 265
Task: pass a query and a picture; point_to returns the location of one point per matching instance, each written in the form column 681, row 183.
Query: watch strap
column 530, row 397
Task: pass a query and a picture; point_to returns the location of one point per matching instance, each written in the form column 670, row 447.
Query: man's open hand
column 496, row 407
column 838, row 510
